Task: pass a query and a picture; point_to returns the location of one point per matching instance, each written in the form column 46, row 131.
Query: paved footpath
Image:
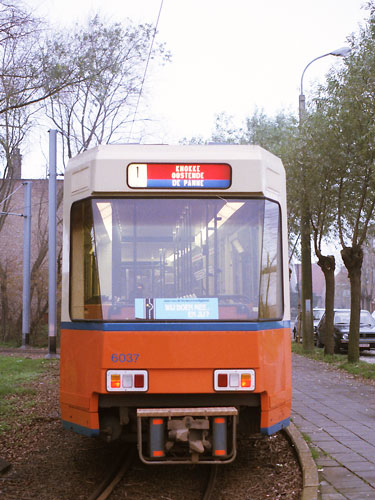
column 337, row 412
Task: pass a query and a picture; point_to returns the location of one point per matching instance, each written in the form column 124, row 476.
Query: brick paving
column 337, row 412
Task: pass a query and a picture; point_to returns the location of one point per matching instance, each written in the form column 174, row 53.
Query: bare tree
column 37, row 71
column 15, row 122
column 92, row 79
column 99, row 108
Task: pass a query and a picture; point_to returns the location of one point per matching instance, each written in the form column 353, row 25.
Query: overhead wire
column 11, row 194
column 35, row 204
column 146, row 68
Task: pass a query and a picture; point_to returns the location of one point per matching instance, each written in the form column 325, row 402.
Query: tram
column 175, row 298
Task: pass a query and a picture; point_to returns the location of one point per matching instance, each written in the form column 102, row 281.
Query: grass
column 15, row 375
column 10, row 345
column 361, row 368
column 15, row 372
column 314, row 452
column 306, row 437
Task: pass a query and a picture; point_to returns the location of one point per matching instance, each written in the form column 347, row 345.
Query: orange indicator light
column 158, row 453
column 220, row 452
column 245, row 380
column 115, row 381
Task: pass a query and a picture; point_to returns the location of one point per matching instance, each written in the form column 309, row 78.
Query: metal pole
column 52, row 267
column 26, row 266
column 306, row 273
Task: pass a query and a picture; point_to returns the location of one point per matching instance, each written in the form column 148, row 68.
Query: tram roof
column 103, row 169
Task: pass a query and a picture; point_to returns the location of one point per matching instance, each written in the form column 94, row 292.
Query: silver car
column 341, row 330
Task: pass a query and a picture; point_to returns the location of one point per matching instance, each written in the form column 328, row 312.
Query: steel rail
column 207, row 495
column 114, row 476
column 117, row 472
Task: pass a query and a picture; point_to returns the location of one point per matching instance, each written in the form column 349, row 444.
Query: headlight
column 345, row 336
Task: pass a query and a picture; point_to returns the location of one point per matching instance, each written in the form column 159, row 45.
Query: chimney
column 16, row 164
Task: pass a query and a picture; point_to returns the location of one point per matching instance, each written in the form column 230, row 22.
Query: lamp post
column 342, row 52
column 306, row 275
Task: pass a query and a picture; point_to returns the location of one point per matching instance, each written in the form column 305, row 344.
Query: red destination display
column 179, row 175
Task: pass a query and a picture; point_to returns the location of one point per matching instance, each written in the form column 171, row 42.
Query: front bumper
column 366, row 343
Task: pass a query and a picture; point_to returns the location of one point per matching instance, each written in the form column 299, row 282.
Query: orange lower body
column 178, row 362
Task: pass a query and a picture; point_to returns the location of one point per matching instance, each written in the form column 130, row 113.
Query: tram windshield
column 195, row 259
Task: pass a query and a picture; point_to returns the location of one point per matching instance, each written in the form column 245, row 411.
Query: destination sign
column 179, row 175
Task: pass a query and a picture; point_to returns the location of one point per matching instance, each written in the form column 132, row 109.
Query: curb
column 308, row 466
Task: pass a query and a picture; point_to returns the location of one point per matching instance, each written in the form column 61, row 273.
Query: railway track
column 115, row 474
column 211, row 480
column 123, row 465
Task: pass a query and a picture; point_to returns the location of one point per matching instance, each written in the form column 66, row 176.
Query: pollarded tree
column 368, row 272
column 348, row 100
column 319, row 159
column 305, row 152
column 100, row 108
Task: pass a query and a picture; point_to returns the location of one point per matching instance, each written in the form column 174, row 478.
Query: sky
column 232, row 56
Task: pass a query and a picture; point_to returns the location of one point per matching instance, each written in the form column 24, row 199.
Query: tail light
column 234, row 380
column 127, row 380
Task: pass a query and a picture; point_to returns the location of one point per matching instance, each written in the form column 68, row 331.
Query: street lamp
column 342, row 52
column 306, row 275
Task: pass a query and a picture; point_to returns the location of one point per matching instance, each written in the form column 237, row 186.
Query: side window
column 84, row 287
column 271, row 294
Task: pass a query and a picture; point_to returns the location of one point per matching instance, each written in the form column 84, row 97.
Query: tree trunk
column 4, row 305
column 327, row 264
column 307, row 299
column 353, row 258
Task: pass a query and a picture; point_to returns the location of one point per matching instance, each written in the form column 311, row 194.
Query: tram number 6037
column 124, row 358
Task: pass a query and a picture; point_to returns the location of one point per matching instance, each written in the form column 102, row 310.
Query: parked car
column 317, row 315
column 341, row 323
